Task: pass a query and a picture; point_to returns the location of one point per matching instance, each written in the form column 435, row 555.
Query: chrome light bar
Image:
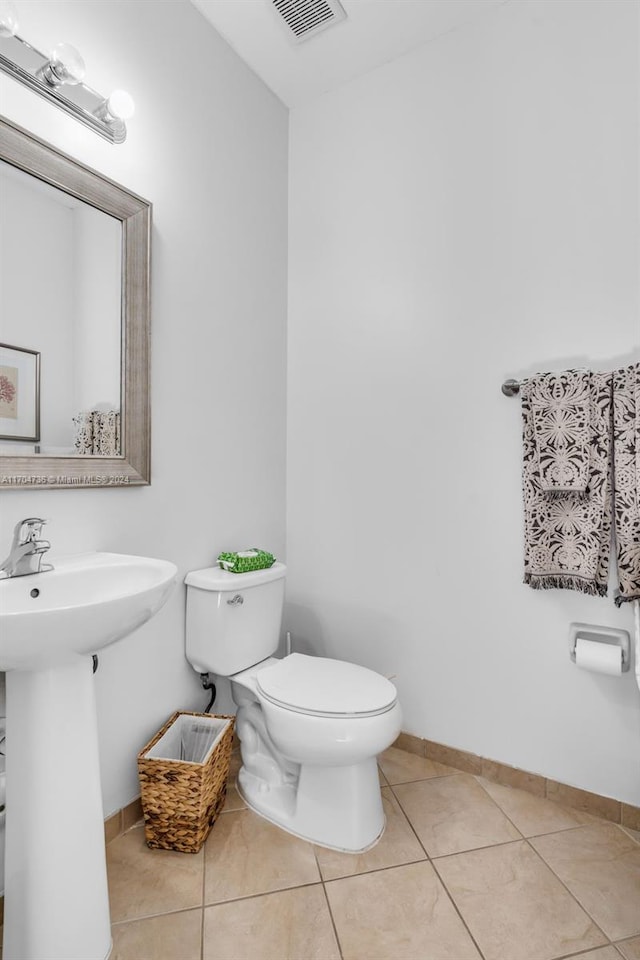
column 58, row 78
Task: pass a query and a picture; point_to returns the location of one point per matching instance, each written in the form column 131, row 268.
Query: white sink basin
column 85, row 603
column 56, row 897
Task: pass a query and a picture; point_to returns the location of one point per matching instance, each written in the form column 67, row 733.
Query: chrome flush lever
column 236, row 601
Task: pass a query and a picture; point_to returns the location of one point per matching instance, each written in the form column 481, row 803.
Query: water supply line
column 208, row 684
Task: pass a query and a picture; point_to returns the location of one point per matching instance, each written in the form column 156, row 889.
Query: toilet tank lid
column 221, row 581
column 328, row 687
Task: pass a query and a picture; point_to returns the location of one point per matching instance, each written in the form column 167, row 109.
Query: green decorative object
column 246, row 560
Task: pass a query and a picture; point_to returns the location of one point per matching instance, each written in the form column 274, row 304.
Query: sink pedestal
column 56, row 901
column 56, row 897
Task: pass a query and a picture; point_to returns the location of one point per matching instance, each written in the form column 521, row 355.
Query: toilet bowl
column 309, row 755
column 310, row 728
column 324, row 711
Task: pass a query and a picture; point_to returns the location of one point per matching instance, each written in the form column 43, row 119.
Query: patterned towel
column 97, row 433
column 567, row 536
column 560, row 407
column 626, row 482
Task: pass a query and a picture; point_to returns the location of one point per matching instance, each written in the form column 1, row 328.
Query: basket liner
column 170, row 745
column 181, row 800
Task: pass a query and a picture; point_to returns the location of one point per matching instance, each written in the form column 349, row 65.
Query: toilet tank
column 233, row 619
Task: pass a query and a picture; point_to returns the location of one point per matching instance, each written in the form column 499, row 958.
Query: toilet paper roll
column 599, row 657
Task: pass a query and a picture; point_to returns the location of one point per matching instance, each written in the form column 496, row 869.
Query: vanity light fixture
column 119, row 106
column 65, row 65
column 59, row 77
column 8, row 20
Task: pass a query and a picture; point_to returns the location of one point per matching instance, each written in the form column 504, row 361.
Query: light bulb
column 120, row 105
column 65, row 66
column 8, row 19
column 117, row 107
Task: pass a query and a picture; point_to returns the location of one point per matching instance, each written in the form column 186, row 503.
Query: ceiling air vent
column 305, row 18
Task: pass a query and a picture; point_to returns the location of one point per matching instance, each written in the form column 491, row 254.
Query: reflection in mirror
column 74, row 319
column 60, row 291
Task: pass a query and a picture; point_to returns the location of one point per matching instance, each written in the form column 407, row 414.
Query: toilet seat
column 321, row 687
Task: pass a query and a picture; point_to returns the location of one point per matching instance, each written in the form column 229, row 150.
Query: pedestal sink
column 56, row 900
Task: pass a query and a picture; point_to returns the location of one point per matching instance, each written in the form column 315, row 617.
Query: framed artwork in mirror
column 19, row 394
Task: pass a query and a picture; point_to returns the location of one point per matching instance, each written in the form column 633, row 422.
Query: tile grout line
column 498, row 807
column 564, row 956
column 456, row 908
column 216, row 903
column 546, row 780
column 406, row 816
column 326, row 897
column 438, row 776
column 547, row 833
column 625, row 830
column 616, row 946
column 263, row 893
column 535, row 836
column 571, row 894
column 366, row 873
column 432, row 860
column 547, row 865
column 435, row 870
column 490, row 846
column 454, row 853
column 586, row 953
column 153, row 916
column 333, row 922
column 598, row 821
column 554, row 833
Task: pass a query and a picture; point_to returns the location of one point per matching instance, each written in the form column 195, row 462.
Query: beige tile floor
column 466, row 870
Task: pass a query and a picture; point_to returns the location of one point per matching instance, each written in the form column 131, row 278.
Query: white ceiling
column 375, row 32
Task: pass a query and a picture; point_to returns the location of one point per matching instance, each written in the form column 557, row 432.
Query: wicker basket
column 181, row 800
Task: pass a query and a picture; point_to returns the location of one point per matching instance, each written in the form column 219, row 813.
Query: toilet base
column 335, row 807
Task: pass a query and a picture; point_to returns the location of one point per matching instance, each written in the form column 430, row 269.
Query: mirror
column 74, row 322
column 60, row 337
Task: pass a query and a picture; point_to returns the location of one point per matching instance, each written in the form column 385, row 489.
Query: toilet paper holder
column 611, row 635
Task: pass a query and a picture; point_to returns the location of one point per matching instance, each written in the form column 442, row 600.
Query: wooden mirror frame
column 133, row 467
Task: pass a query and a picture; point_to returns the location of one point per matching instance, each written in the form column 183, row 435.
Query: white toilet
column 310, row 728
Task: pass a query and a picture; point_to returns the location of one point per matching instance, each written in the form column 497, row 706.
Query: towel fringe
column 565, row 582
column 619, row 600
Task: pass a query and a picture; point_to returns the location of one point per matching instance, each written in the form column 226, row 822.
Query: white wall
column 208, row 146
column 464, row 214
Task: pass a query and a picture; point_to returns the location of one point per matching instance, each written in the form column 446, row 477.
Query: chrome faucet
column 27, row 550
